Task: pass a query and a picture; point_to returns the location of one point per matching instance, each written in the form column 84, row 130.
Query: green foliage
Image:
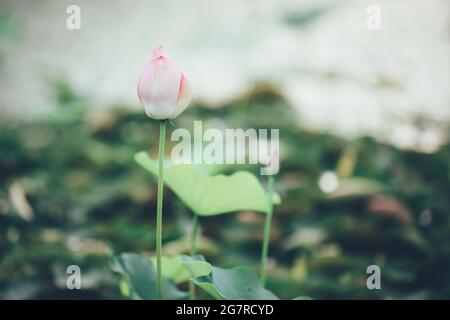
column 173, row 269
column 206, row 195
column 141, row 278
column 76, row 172
column 228, row 284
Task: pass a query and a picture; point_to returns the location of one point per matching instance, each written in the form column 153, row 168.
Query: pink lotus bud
column 163, row 88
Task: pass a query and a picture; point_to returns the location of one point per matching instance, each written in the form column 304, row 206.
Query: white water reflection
column 339, row 75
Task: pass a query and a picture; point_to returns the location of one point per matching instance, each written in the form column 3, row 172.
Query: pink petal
column 184, row 97
column 159, row 85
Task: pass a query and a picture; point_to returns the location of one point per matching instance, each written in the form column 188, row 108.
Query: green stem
column 193, row 251
column 159, row 207
column 266, row 240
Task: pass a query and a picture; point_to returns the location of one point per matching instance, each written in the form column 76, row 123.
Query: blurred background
column 363, row 114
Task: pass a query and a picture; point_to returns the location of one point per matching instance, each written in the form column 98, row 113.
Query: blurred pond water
column 339, row 75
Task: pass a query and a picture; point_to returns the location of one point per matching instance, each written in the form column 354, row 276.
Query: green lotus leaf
column 226, row 284
column 210, row 195
column 141, row 278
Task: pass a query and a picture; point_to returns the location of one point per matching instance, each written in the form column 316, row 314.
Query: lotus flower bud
column 163, row 88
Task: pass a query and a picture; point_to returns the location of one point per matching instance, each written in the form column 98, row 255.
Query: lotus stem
column 266, row 239
column 159, row 207
column 193, row 251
